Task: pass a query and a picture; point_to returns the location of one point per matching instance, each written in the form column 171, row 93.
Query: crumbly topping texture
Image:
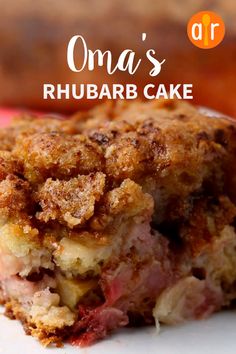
column 52, row 169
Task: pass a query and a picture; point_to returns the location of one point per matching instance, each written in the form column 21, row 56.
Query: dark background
column 34, row 37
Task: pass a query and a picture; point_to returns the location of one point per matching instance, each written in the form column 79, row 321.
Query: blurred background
column 34, row 36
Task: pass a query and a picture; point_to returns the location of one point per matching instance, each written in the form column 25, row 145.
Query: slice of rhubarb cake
column 121, row 215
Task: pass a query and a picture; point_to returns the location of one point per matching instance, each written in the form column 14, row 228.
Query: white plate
column 216, row 335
